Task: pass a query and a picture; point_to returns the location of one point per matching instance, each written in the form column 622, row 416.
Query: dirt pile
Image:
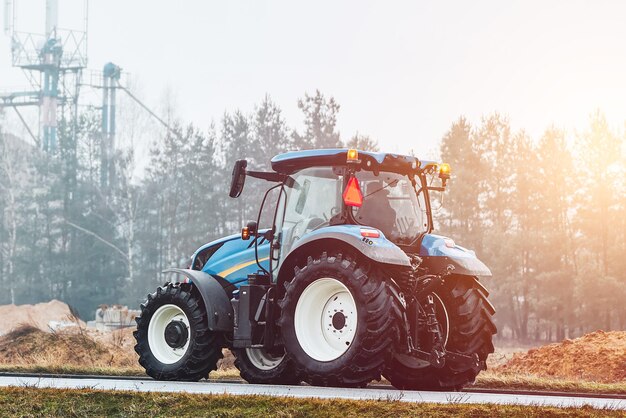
column 599, row 356
column 44, row 316
column 29, row 346
column 76, row 348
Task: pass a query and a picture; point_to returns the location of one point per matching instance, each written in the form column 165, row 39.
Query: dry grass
column 486, row 380
column 28, row 346
column 31, row 402
column 497, row 380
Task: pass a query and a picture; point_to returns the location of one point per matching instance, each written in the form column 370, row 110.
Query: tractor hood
column 231, row 258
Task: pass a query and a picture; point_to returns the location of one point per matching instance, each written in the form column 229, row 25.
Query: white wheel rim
column 262, row 360
column 325, row 319
column 156, row 334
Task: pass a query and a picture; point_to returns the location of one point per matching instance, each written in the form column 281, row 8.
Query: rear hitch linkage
column 438, row 355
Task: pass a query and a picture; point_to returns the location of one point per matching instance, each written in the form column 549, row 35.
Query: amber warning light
column 444, row 173
column 352, row 156
column 444, row 170
column 352, row 196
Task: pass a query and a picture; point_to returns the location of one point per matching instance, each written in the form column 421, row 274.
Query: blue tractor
column 345, row 284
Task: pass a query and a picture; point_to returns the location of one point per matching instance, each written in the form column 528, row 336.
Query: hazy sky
column 401, row 71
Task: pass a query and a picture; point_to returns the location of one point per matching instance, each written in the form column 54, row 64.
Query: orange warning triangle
column 352, row 196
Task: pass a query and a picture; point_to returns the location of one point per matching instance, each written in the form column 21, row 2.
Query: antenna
column 52, row 17
column 8, row 16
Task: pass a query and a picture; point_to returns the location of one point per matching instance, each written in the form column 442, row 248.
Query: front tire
column 336, row 322
column 173, row 338
column 470, row 331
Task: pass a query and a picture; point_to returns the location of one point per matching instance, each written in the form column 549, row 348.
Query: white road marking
column 309, row 392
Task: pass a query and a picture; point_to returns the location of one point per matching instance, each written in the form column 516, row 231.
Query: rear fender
column 216, row 294
column 378, row 249
column 344, row 239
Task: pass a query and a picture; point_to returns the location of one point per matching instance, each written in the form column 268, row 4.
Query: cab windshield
column 391, row 204
column 314, row 199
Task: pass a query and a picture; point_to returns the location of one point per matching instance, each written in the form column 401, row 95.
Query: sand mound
column 599, row 356
column 42, row 316
column 80, row 348
column 28, row 345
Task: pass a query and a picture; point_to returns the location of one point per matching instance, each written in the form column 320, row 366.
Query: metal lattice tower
column 53, row 62
column 111, row 74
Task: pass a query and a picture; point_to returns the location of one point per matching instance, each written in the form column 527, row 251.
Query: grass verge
column 492, row 380
column 27, row 402
column 101, row 371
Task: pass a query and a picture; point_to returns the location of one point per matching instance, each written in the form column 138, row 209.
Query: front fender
column 440, row 255
column 378, row 249
column 215, row 293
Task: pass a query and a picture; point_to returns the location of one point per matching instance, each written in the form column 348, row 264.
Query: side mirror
column 238, row 178
column 250, row 230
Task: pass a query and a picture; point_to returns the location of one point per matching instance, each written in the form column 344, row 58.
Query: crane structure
column 53, row 62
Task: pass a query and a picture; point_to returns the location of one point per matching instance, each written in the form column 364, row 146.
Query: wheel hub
column 176, row 334
column 168, row 334
column 339, row 320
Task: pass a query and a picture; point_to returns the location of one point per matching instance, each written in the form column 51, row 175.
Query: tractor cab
column 386, row 195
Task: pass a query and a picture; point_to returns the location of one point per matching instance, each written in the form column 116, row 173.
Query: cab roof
column 290, row 162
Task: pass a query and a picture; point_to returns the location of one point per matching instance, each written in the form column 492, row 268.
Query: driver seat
column 376, row 210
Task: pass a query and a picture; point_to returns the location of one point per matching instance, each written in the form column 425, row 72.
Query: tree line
column 549, row 218
column 548, row 215
column 65, row 234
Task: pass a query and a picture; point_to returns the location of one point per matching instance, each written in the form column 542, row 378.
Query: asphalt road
column 371, row 393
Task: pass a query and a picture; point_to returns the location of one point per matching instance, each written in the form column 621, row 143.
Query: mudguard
column 378, row 249
column 441, row 255
column 216, row 294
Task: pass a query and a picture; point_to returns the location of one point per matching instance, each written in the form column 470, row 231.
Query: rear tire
column 336, row 322
column 190, row 350
column 256, row 365
column 471, row 329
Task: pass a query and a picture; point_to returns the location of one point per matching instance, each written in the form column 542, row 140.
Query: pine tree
column 236, row 144
column 269, row 133
column 363, row 143
column 461, row 216
column 320, row 120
